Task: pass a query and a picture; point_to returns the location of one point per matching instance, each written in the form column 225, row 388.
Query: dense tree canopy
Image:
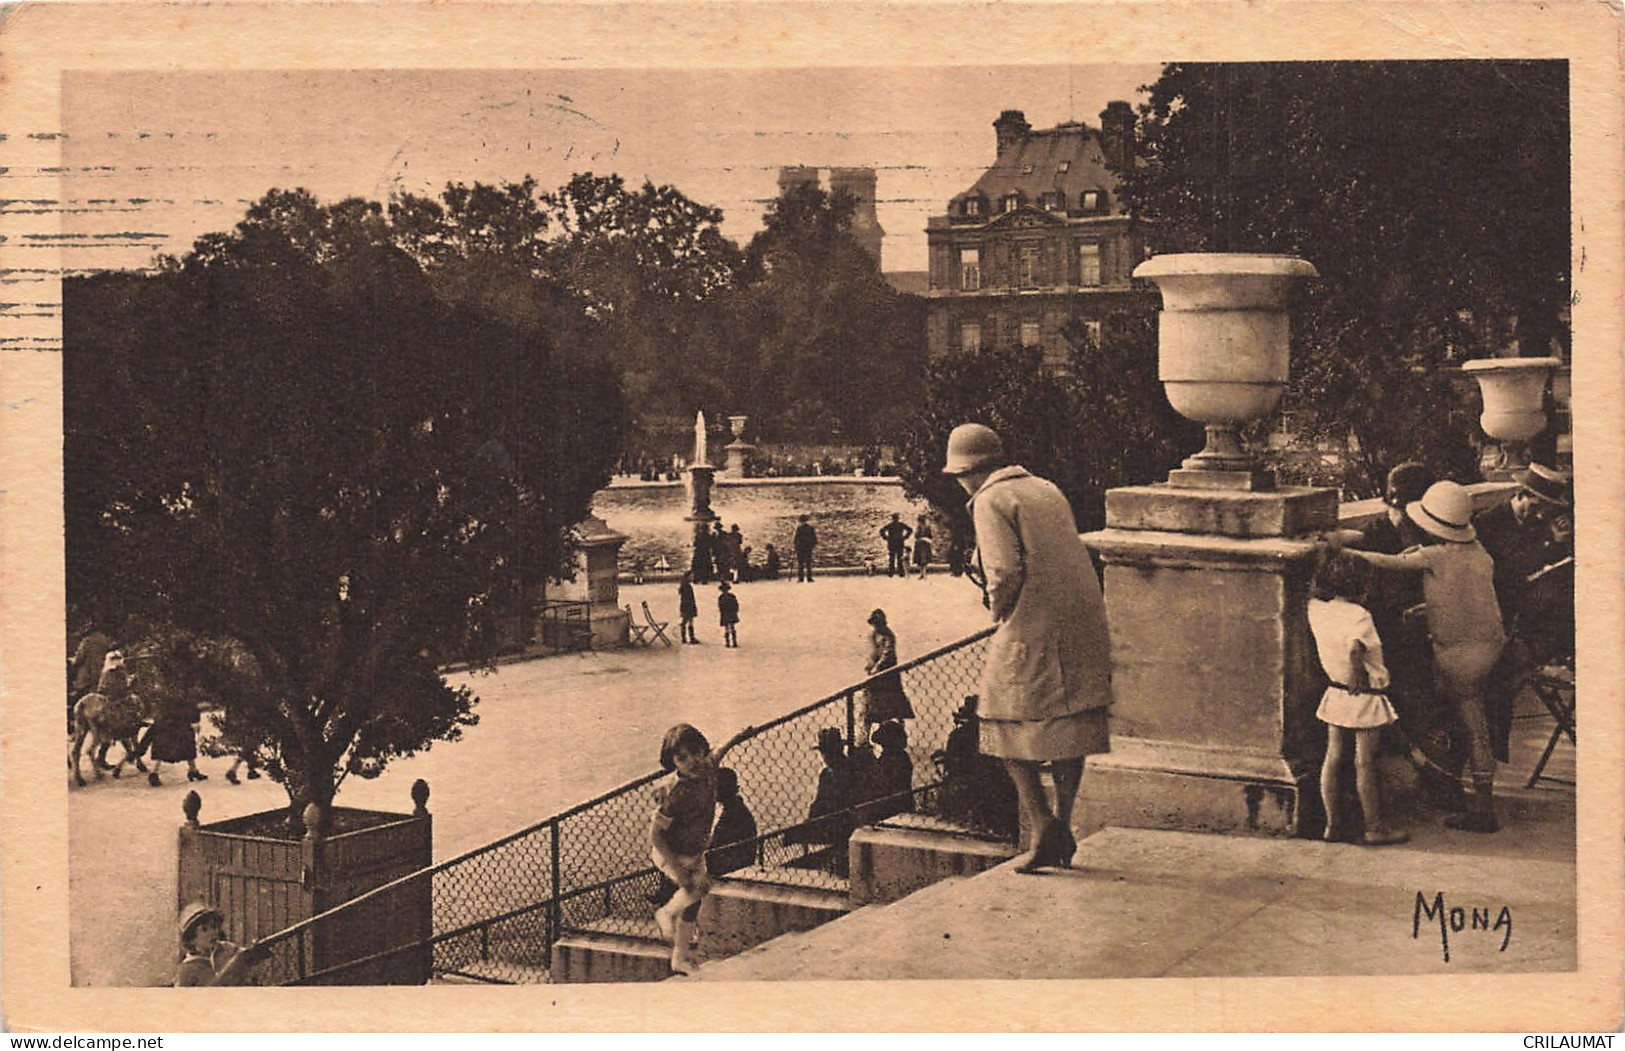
column 1098, row 424
column 293, row 450
column 1431, row 196
column 826, row 349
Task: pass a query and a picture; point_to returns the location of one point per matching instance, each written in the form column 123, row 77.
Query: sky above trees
column 183, row 153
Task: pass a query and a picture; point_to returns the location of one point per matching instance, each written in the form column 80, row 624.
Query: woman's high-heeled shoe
column 1050, row 849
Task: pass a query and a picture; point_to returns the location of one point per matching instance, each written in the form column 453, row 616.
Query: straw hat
column 1446, row 511
column 1544, row 484
column 195, row 914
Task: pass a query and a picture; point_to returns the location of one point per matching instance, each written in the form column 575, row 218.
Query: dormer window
column 1053, row 202
column 970, row 207
column 1010, row 202
column 1091, row 201
column 1026, row 169
column 1063, row 167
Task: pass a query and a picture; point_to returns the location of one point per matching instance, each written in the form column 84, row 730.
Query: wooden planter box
column 263, row 882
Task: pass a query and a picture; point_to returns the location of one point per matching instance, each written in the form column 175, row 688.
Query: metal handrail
column 553, row 902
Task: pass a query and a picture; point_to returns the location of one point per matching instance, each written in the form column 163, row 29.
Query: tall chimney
column 1010, row 129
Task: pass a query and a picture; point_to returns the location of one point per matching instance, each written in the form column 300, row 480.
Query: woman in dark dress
column 173, row 736
column 883, row 699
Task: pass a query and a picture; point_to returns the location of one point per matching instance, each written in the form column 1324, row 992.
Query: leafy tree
column 320, row 478
column 1098, row 424
column 831, row 351
column 1431, row 196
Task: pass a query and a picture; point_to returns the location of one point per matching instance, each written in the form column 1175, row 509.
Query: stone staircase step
column 613, row 949
column 909, row 852
column 754, row 905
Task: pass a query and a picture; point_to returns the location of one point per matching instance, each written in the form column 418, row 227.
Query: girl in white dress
column 1355, row 705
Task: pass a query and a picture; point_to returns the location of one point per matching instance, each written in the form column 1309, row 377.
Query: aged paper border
column 39, row 41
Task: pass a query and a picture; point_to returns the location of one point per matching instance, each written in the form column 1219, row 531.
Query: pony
column 106, row 718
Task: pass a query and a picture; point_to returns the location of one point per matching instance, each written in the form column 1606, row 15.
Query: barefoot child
column 1355, row 703
column 681, row 831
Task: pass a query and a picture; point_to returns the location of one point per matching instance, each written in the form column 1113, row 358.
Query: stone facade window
column 1029, row 266
column 970, row 336
column 970, row 269
column 1093, row 328
column 1089, row 264
column 1029, row 334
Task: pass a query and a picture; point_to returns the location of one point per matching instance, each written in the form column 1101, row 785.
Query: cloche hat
column 972, row 445
column 1446, row 511
column 195, row 914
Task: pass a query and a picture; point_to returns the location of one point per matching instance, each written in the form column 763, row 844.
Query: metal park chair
column 657, row 627
column 637, row 634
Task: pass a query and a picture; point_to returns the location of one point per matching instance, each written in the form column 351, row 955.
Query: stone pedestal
column 1213, row 674
column 597, row 580
column 738, row 457
column 700, row 517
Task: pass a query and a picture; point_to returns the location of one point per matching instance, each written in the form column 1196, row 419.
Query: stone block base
column 1151, row 785
column 595, row 956
column 751, row 906
column 907, row 853
column 1285, row 512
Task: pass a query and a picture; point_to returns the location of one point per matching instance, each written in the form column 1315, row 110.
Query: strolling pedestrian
column 922, row 544
column 687, row 609
column 206, row 957
column 883, row 698
column 721, row 553
column 1355, row 705
column 805, row 540
column 728, row 613
column 895, row 533
column 1464, row 623
column 736, row 553
column 173, row 736
column 680, row 833
column 1047, row 679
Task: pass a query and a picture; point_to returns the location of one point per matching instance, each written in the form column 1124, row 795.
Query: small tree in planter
column 327, row 480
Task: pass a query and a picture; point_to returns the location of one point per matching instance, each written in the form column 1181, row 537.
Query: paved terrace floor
column 552, row 732
column 1139, row 904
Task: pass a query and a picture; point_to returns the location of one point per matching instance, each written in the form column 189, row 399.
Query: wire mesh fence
column 497, row 911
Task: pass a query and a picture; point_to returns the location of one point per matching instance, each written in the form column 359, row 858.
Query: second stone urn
column 1223, row 352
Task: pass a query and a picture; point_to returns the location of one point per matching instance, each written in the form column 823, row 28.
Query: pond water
column 847, row 514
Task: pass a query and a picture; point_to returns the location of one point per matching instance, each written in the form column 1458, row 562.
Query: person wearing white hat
column 1464, row 621
column 206, row 957
column 1046, row 682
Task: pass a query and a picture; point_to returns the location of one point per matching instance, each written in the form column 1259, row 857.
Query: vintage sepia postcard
column 1052, row 516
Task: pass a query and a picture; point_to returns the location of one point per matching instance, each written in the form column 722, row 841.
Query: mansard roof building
column 1039, row 240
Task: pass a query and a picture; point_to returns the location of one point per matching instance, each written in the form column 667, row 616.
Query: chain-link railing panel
column 498, row 911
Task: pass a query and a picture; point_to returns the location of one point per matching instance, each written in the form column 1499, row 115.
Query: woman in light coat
column 1047, row 681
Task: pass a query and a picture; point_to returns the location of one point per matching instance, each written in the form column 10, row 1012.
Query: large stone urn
column 1514, row 392
column 739, row 449
column 1207, row 578
column 1222, row 352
